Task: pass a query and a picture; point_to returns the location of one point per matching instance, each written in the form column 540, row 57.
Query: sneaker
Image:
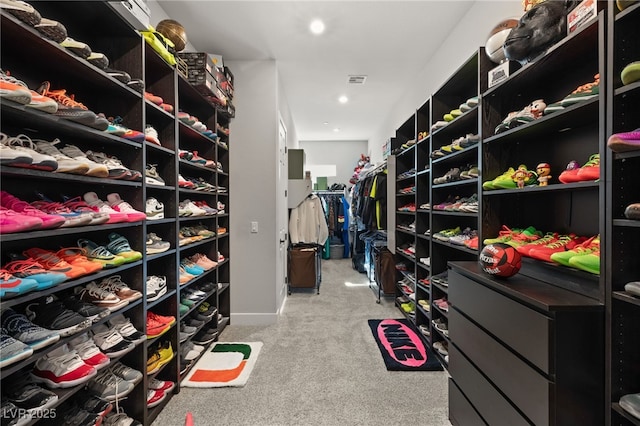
column 24, row 268
column 51, row 262
column 91, row 199
column 100, row 60
column 12, row 350
column 111, row 342
column 590, row 170
column 632, row 211
column 564, row 242
column 586, row 247
column 50, row 313
column 72, row 218
column 122, row 206
column 156, row 287
column 62, row 368
column 583, row 93
column 205, row 337
column 183, row 183
column 114, row 166
column 121, row 76
column 49, row 221
column 151, row 135
column 10, row 156
column 119, row 246
column 21, row 10
column 66, row 164
column 524, row 249
column 95, row 169
column 120, row 418
column 53, row 30
column 126, row 329
column 100, row 254
column 92, row 293
column 203, row 261
column 115, row 285
column 155, row 397
column 625, row 141
column 503, row 178
column 77, row 204
column 11, row 90
column 76, row 47
column 129, row 134
column 109, row 386
column 94, row 404
column 39, row 161
column 86, row 348
column 86, row 309
column 12, row 416
column 75, row 415
column 161, row 385
column 75, row 256
column 127, row 373
column 155, row 244
column 12, row 286
column 631, row 72
column 206, row 312
column 23, row 392
column 157, row 100
column 194, row 210
column 466, row 235
column 152, row 177
column 160, row 357
column 588, row 263
column 19, row 327
column 441, row 347
column 154, row 209
column 70, row 109
column 157, row 325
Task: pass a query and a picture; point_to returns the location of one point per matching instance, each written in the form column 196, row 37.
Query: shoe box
column 135, row 12
column 204, row 67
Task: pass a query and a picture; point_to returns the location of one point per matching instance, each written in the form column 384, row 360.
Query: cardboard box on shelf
column 208, row 61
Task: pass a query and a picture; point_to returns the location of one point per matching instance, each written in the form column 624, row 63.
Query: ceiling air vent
column 357, row 79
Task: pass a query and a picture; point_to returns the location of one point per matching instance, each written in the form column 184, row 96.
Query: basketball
column 174, row 31
column 500, row 260
column 496, row 38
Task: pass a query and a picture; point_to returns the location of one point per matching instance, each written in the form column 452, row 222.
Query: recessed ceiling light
column 326, row 123
column 343, row 99
column 316, row 26
column 336, row 129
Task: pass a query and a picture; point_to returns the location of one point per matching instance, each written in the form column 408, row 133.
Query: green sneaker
column 183, row 309
column 506, row 181
column 588, row 247
column 489, row 185
column 583, row 93
column 588, row 262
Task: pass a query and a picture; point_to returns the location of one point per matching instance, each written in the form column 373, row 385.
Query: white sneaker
column 88, row 351
column 24, row 144
column 195, row 210
column 66, row 164
column 126, row 329
column 122, row 206
column 152, row 177
column 151, row 135
column 154, row 209
column 95, row 169
column 156, row 287
column 13, row 157
column 116, row 169
column 110, row 342
column 62, row 368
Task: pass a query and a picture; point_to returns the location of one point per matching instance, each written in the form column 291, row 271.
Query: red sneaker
column 547, row 239
column 51, row 262
column 591, row 170
column 563, row 243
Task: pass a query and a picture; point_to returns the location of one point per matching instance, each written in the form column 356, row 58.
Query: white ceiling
column 389, row 41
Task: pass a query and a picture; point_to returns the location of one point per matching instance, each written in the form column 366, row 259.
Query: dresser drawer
column 526, row 388
column 461, row 413
column 492, row 406
column 526, row 331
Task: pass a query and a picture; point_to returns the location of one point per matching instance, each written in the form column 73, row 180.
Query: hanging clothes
column 307, row 222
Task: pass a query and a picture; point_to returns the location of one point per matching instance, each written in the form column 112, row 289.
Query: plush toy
column 539, row 28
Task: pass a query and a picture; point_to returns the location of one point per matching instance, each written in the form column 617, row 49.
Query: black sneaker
column 94, row 404
column 22, row 10
column 51, row 313
column 207, row 287
column 184, row 365
column 206, row 312
column 86, row 309
column 119, row 75
column 136, row 84
column 10, row 415
column 78, row 417
column 204, row 337
column 21, row 390
column 53, row 30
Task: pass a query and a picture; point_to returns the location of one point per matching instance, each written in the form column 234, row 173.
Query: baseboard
column 254, row 319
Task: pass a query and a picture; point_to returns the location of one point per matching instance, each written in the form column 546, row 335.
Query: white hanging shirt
column 307, row 223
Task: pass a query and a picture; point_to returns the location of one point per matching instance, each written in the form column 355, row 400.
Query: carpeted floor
column 319, row 366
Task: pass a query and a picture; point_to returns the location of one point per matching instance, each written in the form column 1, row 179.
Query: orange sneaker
column 51, row 262
column 11, row 90
column 76, row 256
column 155, row 326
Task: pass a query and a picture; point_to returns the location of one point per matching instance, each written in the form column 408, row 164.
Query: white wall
column 253, row 172
column 344, row 154
column 463, row 40
column 158, row 14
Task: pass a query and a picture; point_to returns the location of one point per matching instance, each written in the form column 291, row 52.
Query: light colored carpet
column 319, row 366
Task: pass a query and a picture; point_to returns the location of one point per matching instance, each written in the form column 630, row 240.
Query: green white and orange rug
column 226, row 364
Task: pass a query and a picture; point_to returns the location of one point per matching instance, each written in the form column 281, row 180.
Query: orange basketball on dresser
column 174, row 31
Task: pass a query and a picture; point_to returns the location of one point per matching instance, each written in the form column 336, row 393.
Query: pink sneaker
column 122, row 206
column 92, row 200
column 48, row 220
column 628, row 141
column 11, row 222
